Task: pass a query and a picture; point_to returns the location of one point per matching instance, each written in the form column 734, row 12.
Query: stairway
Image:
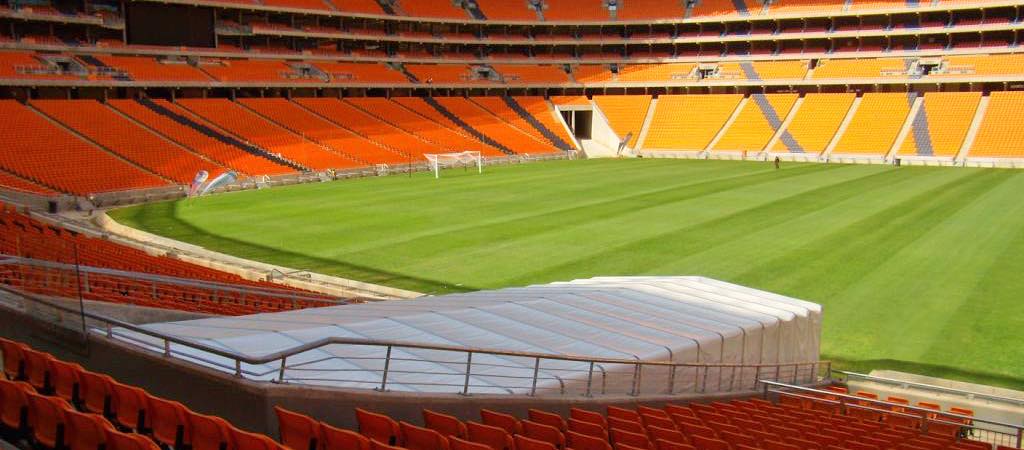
column 465, row 126
column 226, row 139
column 550, row 136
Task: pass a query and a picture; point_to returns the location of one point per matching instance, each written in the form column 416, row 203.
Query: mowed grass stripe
column 915, row 266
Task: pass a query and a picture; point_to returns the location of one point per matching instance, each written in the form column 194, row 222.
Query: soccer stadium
column 511, row 225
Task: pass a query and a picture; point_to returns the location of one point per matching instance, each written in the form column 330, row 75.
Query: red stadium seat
column 545, row 433
column 129, row 405
column 577, row 441
column 96, row 392
column 169, row 422
column 340, row 439
column 377, row 427
column 37, row 369
column 297, row 431
column 14, row 359
column 116, row 440
column 462, row 444
column 525, row 443
column 210, row 432
column 14, row 404
column 418, row 438
column 707, row 443
column 444, row 424
column 494, row 437
column 588, row 428
column 662, row 444
column 667, row 434
column 615, row 423
column 47, row 420
column 588, row 416
column 504, row 421
column 637, row 440
column 86, row 431
column 254, row 441
column 547, row 418
column 64, row 377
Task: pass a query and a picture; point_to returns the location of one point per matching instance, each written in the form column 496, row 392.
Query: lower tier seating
column 1000, row 135
column 23, row 236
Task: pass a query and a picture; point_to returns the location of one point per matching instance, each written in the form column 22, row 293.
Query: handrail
column 596, row 364
column 6, row 259
column 931, row 387
column 925, row 414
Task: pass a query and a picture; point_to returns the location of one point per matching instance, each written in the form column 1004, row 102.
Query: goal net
column 440, row 161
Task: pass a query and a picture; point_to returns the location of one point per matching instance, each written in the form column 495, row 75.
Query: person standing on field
column 777, row 161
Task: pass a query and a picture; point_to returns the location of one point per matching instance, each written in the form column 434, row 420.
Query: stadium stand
column 507, row 10
column 118, row 134
column 941, row 124
column 26, row 237
column 592, row 74
column 45, row 153
column 360, row 73
column 431, row 9
column 514, row 74
column 580, row 10
column 998, row 137
column 861, row 68
column 503, row 133
column 408, row 120
column 756, row 123
column 538, row 109
column 162, row 117
column 570, row 100
column 445, row 74
column 502, row 107
column 655, row 72
column 371, row 127
column 689, row 122
column 252, row 127
column 143, row 68
column 625, row 113
column 12, row 181
column 815, row 123
column 876, row 124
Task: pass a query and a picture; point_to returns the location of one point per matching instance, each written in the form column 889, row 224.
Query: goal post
column 439, row 161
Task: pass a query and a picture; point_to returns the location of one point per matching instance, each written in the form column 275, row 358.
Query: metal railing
column 57, row 279
column 963, row 427
column 971, row 395
column 417, row 366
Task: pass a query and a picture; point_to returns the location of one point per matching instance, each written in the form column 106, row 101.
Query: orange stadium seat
column 297, row 431
column 445, row 424
column 432, row 132
column 86, row 431
column 371, row 127
column 496, row 438
column 128, row 139
column 493, row 127
column 170, row 423
column 377, row 427
column 546, row 418
column 506, row 10
column 419, row 438
column 502, row 108
column 544, row 433
column 341, row 439
column 625, row 113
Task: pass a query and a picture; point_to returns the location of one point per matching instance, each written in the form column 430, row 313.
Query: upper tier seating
column 524, row 74
column 1000, row 134
column 371, row 127
column 21, row 235
column 995, row 65
column 649, row 9
column 941, row 124
column 428, row 130
column 755, row 125
column 269, row 135
column 131, row 141
column 164, row 118
column 41, row 151
column 420, row 8
column 445, row 74
column 301, row 4
column 707, row 8
column 804, row 6
column 26, row 65
column 249, row 71
column 359, row 6
column 570, row 100
column 654, row 72
column 861, row 68
column 876, row 124
column 689, row 122
column 507, row 10
column 625, row 113
column 294, row 117
column 592, row 73
column 575, row 10
column 815, row 123
column 361, row 73
column 147, row 68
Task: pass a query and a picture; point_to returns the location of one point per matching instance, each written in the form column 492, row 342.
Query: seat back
column 662, row 444
column 95, row 390
column 577, row 441
column 209, row 432
column 116, row 440
column 623, row 413
column 298, row 431
column 463, row 444
column 631, row 439
column 14, row 359
column 339, row 439
column 377, row 427
column 128, row 405
column 588, row 416
column 504, row 421
column 525, row 443
column 14, row 404
column 86, row 431
column 615, row 423
column 444, row 424
column 64, row 379
column 419, row 438
column 169, row 422
column 494, row 437
column 545, row 433
column 547, row 418
column 709, row 443
column 588, row 428
column 37, row 369
column 47, row 419
column 245, row 440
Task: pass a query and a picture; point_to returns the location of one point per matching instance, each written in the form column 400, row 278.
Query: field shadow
column 963, row 373
column 157, row 215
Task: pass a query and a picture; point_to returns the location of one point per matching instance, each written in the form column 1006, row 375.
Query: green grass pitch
column 918, row 269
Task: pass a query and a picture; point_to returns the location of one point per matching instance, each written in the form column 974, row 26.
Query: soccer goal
column 439, row 161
